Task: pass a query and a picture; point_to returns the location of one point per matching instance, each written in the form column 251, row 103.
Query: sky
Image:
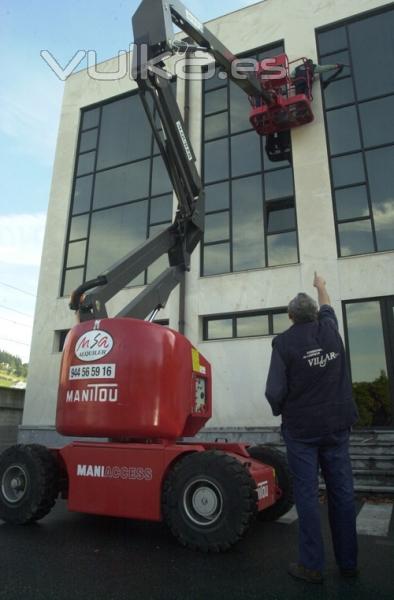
column 30, row 101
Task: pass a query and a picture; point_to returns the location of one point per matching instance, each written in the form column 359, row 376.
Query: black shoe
column 300, row 572
column 349, row 572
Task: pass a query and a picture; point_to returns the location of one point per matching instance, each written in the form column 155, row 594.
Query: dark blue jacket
column 308, row 381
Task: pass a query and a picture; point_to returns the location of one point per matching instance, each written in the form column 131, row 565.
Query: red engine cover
column 131, row 378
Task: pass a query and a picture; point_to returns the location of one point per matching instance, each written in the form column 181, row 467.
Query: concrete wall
column 239, row 366
column 11, row 409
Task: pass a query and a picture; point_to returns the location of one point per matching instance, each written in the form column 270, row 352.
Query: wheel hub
column 14, row 484
column 203, row 502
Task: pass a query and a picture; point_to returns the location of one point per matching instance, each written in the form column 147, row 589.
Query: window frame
column 386, row 304
column 362, row 150
column 265, row 168
column 153, row 154
column 206, row 319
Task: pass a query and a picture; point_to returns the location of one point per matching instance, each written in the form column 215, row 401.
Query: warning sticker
column 196, row 360
column 197, row 366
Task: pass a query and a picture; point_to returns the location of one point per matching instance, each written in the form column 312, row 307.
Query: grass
column 8, row 379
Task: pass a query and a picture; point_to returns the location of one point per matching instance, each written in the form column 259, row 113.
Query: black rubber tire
column 278, row 461
column 35, row 470
column 203, row 479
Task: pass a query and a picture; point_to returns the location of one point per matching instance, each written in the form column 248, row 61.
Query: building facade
column 268, row 226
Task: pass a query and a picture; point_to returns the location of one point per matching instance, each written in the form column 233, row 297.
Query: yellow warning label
column 196, row 360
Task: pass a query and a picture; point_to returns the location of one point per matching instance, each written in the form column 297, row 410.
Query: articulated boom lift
column 139, row 387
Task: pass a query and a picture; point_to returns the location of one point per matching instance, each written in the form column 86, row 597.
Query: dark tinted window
column 245, row 154
column 88, row 140
column 90, row 118
column 339, row 92
column 343, row 130
column 239, row 116
column 348, row 169
column 160, row 180
column 278, row 184
column 216, row 126
column 248, row 228
column 282, row 249
column 278, row 220
column 76, row 254
column 253, row 325
column 82, row 194
column 369, row 329
column 217, row 196
column 352, row 202
column 216, row 101
column 217, row 259
column 217, row 227
column 214, row 78
column 371, row 43
column 332, row 41
column 241, row 186
column 79, row 227
column 72, row 279
column 380, row 169
column 114, row 233
column 161, row 209
column 216, row 160
column 132, row 193
column 239, row 325
column 359, row 112
column 86, row 163
column 60, row 338
column 355, row 237
column 377, row 121
column 122, row 124
column 122, row 184
column 219, row 329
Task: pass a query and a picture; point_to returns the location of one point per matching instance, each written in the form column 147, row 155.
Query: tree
column 373, row 401
column 13, row 364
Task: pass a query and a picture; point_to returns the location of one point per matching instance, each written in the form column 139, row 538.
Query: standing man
column 308, row 384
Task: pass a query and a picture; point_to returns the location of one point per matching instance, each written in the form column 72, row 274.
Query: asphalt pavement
column 70, row 556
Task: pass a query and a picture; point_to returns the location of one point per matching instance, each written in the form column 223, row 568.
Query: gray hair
column 302, row 309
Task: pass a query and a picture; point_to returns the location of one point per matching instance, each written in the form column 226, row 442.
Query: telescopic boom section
column 154, row 39
column 153, row 27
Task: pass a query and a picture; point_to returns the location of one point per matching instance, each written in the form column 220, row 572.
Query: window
column 60, row 338
column 370, row 333
column 359, row 109
column 250, row 219
column 249, row 324
column 121, row 194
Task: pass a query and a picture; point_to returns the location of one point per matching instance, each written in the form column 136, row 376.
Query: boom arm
column 154, row 40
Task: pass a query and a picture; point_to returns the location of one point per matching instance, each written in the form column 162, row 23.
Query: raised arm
column 322, row 294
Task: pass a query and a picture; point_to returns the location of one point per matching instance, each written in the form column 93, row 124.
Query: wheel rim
column 14, row 484
column 203, row 502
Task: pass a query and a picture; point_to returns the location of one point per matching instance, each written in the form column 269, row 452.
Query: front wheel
column 28, row 483
column 209, row 500
column 277, row 460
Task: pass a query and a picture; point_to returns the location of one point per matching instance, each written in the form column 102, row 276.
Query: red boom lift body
column 129, row 379
column 111, row 479
column 139, row 388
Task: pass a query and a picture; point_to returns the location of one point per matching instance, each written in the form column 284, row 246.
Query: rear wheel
column 209, row 500
column 278, row 461
column 28, row 483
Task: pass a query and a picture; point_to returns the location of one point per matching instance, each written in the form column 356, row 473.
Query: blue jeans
column 331, row 452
